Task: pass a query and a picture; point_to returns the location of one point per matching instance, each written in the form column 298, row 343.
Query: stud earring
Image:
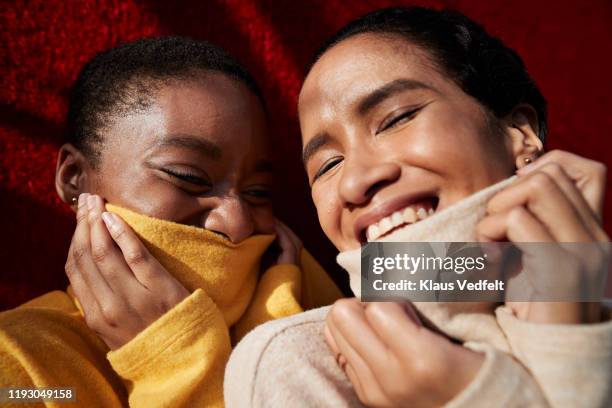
column 73, row 200
column 528, row 160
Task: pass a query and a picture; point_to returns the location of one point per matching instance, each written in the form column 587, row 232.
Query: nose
column 363, row 176
column 231, row 217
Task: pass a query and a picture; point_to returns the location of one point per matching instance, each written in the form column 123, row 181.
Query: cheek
column 263, row 217
column 139, row 190
column 458, row 145
column 329, row 212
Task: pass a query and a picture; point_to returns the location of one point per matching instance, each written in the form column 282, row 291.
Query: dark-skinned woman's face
column 197, row 156
column 389, row 139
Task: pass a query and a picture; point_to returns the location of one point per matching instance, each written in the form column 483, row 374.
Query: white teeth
column 397, row 218
column 407, row 215
column 372, row 232
column 422, row 213
column 385, row 225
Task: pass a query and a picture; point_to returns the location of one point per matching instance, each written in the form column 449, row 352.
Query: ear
column 522, row 128
column 71, row 174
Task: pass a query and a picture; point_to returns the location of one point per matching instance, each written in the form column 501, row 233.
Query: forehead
column 211, row 106
column 361, row 64
column 217, row 106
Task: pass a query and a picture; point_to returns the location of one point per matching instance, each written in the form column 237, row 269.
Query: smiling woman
column 436, row 103
column 159, row 135
column 405, row 112
column 168, row 155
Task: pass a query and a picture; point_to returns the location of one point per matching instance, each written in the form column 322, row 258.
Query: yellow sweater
column 178, row 361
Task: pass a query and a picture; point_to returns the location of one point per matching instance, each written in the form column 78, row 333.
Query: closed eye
column 258, row 195
column 397, row 120
column 327, row 166
column 187, row 177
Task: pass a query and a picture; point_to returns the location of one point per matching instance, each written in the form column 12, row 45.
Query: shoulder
column 286, row 362
column 276, row 334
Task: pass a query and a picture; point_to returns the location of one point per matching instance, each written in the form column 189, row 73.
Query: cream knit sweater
column 286, row 363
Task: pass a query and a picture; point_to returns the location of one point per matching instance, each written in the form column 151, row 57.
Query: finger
column 360, row 374
column 396, row 324
column 588, row 175
column 582, row 207
column 297, row 242
column 330, row 340
column 108, row 258
column 347, row 316
column 284, row 240
column 79, row 286
column 80, row 255
column 289, row 243
column 147, row 270
column 370, row 394
column 516, row 225
column 539, row 193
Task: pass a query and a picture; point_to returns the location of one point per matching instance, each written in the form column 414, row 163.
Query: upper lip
column 385, row 209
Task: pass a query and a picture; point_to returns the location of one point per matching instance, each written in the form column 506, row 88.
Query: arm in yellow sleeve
column 179, row 360
column 277, row 295
column 45, row 347
column 286, row 289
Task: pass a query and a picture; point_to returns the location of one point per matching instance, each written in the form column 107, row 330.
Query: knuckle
column 79, row 253
column 99, row 252
column 69, row 268
column 135, row 256
column 111, row 314
column 342, row 309
column 516, row 215
column 554, row 169
column 376, row 310
column 81, row 217
column 92, row 320
column 540, row 182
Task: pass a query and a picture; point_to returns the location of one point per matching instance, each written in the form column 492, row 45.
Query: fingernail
column 109, row 220
column 83, row 199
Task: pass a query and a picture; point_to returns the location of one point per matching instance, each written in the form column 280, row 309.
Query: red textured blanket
column 45, row 43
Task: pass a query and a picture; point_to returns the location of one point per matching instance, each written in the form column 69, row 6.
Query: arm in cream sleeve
column 572, row 363
column 179, row 360
column 287, row 363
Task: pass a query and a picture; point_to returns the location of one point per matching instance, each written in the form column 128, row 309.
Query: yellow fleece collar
column 199, row 258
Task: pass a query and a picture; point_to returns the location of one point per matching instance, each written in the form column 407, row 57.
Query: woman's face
column 198, row 156
column 389, row 139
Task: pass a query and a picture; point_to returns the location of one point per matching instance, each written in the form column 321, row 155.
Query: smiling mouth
column 410, row 214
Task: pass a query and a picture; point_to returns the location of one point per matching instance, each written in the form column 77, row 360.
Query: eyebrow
column 367, row 103
column 208, row 148
column 386, row 91
column 314, row 145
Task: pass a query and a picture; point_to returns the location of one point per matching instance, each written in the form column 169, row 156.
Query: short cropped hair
column 124, row 79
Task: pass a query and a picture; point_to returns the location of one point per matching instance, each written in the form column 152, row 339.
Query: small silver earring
column 73, row 200
column 528, row 160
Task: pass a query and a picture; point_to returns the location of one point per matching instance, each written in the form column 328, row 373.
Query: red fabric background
column 44, row 44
